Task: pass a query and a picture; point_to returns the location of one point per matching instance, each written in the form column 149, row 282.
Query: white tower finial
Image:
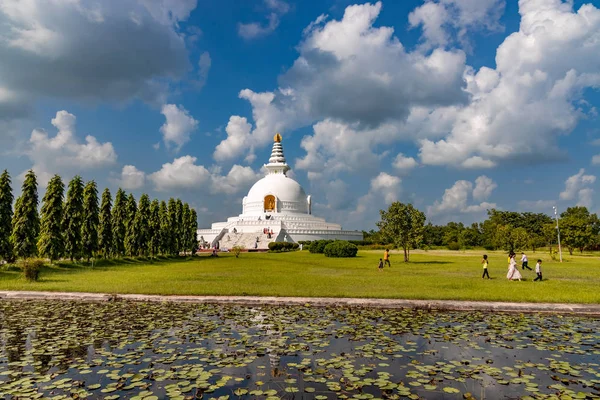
column 277, row 163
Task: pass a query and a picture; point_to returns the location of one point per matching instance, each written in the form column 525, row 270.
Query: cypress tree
column 185, row 232
column 105, row 234
column 73, row 219
column 141, row 225
column 51, row 243
column 192, row 225
column 154, row 227
column 6, row 214
column 89, row 230
column 173, row 232
column 130, row 233
column 119, row 215
column 26, row 220
column 180, row 244
column 165, row 229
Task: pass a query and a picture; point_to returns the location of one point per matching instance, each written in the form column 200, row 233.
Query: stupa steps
column 245, row 240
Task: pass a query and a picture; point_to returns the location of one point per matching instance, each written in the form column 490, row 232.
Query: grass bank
column 441, row 275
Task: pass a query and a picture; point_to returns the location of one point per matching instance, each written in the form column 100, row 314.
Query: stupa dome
column 276, row 192
column 288, row 193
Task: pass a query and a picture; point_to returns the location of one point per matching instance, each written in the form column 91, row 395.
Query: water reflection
column 98, row 350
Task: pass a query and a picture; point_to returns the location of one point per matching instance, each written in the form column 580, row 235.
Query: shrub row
column 283, row 246
column 340, row 248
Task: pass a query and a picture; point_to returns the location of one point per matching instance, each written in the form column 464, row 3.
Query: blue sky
column 454, row 105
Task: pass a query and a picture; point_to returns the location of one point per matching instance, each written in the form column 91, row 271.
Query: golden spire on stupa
column 277, row 138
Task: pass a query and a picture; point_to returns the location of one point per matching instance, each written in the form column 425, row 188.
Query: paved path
column 587, row 309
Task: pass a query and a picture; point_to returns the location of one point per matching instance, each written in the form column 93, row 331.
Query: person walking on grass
column 380, row 266
column 513, row 271
column 485, row 267
column 538, row 270
column 386, row 258
column 524, row 262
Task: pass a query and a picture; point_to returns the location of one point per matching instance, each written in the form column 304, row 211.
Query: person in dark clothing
column 538, row 270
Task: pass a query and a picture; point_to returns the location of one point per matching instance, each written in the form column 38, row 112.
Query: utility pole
column 558, row 233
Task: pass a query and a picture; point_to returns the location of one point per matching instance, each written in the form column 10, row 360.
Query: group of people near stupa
column 513, row 273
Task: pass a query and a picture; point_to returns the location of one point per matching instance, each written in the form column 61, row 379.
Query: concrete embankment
column 450, row 305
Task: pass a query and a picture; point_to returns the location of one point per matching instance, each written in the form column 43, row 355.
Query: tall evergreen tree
column 173, row 226
column 185, row 231
column 192, row 225
column 179, row 226
column 141, row 225
column 130, row 233
column 73, row 219
column 119, row 216
column 89, row 230
column 105, row 234
column 6, row 214
column 154, row 228
column 165, row 229
column 51, row 243
column 26, row 220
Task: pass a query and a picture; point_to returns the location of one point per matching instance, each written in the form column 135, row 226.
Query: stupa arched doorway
column 269, row 203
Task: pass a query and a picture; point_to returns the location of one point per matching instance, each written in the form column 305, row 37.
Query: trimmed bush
column 283, row 246
column 318, row 246
column 31, row 268
column 340, row 248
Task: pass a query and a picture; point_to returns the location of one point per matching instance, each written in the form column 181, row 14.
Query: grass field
column 430, row 275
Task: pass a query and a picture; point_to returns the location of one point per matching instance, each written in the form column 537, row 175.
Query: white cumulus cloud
column 64, row 152
column 577, row 187
column 455, row 200
column 131, row 178
column 179, row 125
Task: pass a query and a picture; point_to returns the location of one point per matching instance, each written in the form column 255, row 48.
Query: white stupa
column 275, row 203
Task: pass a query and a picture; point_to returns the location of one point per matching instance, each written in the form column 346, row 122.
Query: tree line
column 80, row 225
column 404, row 226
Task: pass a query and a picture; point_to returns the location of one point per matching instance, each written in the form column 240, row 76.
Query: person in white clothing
column 538, row 270
column 513, row 271
column 524, row 261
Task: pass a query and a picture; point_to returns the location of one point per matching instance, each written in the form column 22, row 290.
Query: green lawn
column 429, row 275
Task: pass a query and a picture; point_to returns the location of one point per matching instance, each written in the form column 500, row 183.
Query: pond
column 137, row 350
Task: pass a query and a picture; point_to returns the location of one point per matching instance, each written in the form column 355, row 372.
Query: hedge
column 340, row 248
column 283, row 246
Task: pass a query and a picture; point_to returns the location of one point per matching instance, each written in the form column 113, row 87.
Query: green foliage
column 131, row 244
column 340, row 248
column 318, row 246
column 73, row 219
column 89, row 230
column 119, row 229
column 141, row 226
column 578, row 228
column 31, row 268
column 26, row 220
column 453, row 246
column 192, row 226
column 511, row 239
column 403, row 225
column 6, row 215
column 236, row 250
column 105, row 233
column 277, row 247
column 51, row 243
column 178, row 227
column 154, row 228
column 165, row 229
column 186, row 234
column 173, row 231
